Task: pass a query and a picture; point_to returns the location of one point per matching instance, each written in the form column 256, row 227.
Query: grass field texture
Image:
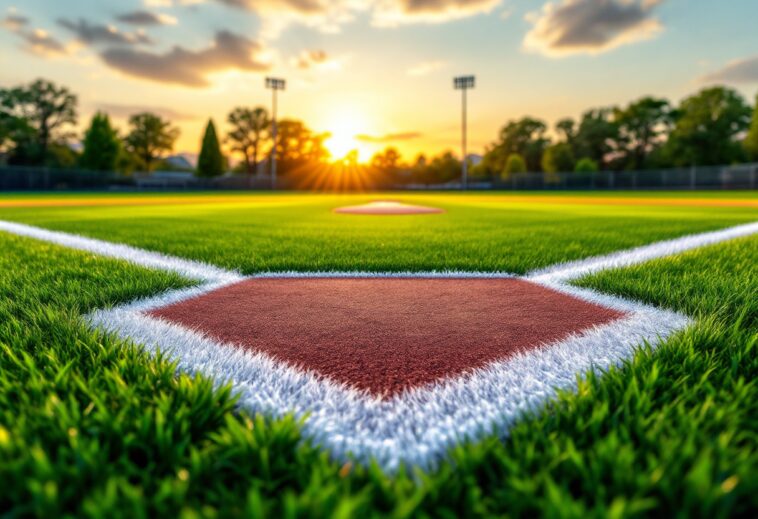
column 91, row 426
column 479, row 232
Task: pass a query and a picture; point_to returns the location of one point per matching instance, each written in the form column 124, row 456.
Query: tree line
column 36, row 122
column 713, row 126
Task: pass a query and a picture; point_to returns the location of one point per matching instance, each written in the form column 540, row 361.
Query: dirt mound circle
column 388, row 207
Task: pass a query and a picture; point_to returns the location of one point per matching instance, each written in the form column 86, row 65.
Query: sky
column 377, row 73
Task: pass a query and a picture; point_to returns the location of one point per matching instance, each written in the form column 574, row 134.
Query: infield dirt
column 387, row 335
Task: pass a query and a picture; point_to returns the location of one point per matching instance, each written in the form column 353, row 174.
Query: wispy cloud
column 144, row 18
column 425, row 68
column 35, row 41
column 737, row 71
column 93, row 33
column 330, row 15
column 390, row 137
column 389, row 13
column 316, row 60
column 169, row 3
column 15, row 22
column 189, row 67
column 590, row 26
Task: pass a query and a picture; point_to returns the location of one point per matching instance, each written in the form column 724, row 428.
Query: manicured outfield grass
column 480, row 231
column 90, row 426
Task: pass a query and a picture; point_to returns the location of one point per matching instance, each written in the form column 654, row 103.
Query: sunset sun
column 344, row 130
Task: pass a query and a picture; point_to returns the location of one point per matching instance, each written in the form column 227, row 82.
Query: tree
column 514, row 164
column 387, row 160
column 444, row 168
column 585, row 165
column 558, row 158
column 101, row 145
column 249, row 126
column 210, row 162
column 149, row 137
column 37, row 115
column 297, row 146
column 751, row 139
column 418, row 169
column 707, row 127
column 566, row 128
column 641, row 125
column 597, row 135
column 525, row 137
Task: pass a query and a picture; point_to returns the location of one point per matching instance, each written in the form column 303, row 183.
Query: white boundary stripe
column 576, row 269
column 209, row 273
column 416, row 427
column 190, row 269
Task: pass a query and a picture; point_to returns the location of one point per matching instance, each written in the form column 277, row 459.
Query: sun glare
column 344, row 129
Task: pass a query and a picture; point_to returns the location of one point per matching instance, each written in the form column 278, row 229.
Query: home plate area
column 392, row 367
column 395, row 368
column 386, row 336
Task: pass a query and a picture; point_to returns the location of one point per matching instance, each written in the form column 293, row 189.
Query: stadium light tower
column 463, row 83
column 275, row 84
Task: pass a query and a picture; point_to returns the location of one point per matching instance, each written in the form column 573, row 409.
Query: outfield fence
column 740, row 176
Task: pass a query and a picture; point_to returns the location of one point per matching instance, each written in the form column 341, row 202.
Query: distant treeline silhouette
column 713, row 126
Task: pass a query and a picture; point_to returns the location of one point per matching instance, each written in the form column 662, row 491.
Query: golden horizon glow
column 343, row 127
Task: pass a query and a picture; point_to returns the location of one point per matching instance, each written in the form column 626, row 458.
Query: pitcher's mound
column 387, row 207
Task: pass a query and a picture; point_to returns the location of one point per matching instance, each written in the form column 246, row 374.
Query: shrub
column 514, row 164
column 558, row 158
column 585, row 165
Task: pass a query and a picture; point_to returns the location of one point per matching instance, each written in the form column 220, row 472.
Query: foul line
column 190, row 269
column 207, row 273
column 575, row 269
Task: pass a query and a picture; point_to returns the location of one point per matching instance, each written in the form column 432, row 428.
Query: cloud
column 316, row 59
column 425, row 68
column 125, row 111
column 590, row 26
column 329, row 15
column 737, row 71
column 390, row 137
column 169, row 3
column 41, row 43
column 93, row 34
column 325, row 15
column 311, row 58
column 189, row 67
column 141, row 17
column 390, row 13
column 14, row 22
column 35, row 41
column 303, row 6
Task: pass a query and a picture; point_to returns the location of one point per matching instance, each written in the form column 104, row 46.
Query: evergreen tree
column 210, row 163
column 101, row 145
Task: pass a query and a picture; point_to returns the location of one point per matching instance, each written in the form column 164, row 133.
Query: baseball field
column 531, row 354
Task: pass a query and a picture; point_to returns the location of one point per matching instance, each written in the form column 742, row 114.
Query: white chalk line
column 418, row 426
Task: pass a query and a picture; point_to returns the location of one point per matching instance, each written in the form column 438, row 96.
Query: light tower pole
column 274, row 84
column 463, row 83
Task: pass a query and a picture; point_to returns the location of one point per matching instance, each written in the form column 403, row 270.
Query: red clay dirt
column 387, row 335
column 387, row 207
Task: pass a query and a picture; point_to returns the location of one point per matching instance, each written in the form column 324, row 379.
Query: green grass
column 479, row 232
column 90, row 426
